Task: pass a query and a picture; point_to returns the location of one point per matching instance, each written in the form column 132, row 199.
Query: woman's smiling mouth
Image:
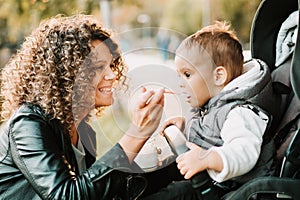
column 106, row 90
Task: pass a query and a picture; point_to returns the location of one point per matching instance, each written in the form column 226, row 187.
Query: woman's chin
column 104, row 103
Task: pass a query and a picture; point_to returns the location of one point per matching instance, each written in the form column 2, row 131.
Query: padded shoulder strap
column 291, row 165
column 291, row 114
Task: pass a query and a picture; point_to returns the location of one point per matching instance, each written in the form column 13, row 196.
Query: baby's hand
column 193, row 161
column 178, row 121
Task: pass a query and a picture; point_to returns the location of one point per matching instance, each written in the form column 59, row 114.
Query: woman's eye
column 187, row 74
column 100, row 67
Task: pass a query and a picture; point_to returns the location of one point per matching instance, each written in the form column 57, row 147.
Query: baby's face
column 196, row 81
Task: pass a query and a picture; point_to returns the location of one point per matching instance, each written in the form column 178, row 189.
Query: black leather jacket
column 37, row 162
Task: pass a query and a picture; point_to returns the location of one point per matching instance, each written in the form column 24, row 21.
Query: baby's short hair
column 221, row 44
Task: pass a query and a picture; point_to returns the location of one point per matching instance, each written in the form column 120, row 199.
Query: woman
column 66, row 69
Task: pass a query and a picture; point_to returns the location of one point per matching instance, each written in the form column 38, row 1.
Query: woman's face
column 105, row 77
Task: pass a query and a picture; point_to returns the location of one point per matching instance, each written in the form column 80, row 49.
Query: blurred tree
column 186, row 15
column 19, row 17
column 182, row 15
column 127, row 11
column 128, row 2
column 23, row 15
column 3, row 33
column 234, row 11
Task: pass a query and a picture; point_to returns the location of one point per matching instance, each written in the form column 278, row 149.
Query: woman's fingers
column 143, row 89
column 148, row 111
column 144, row 98
column 151, row 97
column 157, row 97
column 162, row 101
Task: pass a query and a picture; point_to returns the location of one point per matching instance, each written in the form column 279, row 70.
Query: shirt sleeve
column 242, row 133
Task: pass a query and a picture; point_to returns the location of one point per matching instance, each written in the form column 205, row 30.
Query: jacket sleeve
column 38, row 155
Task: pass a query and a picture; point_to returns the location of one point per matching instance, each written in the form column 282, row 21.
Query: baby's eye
column 187, row 74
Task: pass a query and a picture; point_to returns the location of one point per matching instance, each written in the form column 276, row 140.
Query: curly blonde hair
column 44, row 70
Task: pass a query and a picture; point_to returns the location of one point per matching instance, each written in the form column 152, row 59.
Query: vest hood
column 255, row 80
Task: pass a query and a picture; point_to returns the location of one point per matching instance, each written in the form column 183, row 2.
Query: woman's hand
column 147, row 112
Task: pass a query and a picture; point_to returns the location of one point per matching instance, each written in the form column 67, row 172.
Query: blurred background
column 148, row 32
column 19, row 17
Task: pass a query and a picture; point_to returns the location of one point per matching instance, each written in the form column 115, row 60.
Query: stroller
column 270, row 31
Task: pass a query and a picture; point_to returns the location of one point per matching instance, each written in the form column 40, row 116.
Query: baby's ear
column 220, row 76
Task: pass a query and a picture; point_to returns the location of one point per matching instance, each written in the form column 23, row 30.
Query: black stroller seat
column 266, row 27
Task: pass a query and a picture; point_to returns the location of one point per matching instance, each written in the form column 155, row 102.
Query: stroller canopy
column 265, row 28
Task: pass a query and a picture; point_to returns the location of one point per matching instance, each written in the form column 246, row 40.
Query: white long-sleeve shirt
column 242, row 133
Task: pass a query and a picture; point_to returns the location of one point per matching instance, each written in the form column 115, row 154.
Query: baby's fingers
column 189, row 174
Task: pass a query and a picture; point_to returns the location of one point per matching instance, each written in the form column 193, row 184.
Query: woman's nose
column 109, row 74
